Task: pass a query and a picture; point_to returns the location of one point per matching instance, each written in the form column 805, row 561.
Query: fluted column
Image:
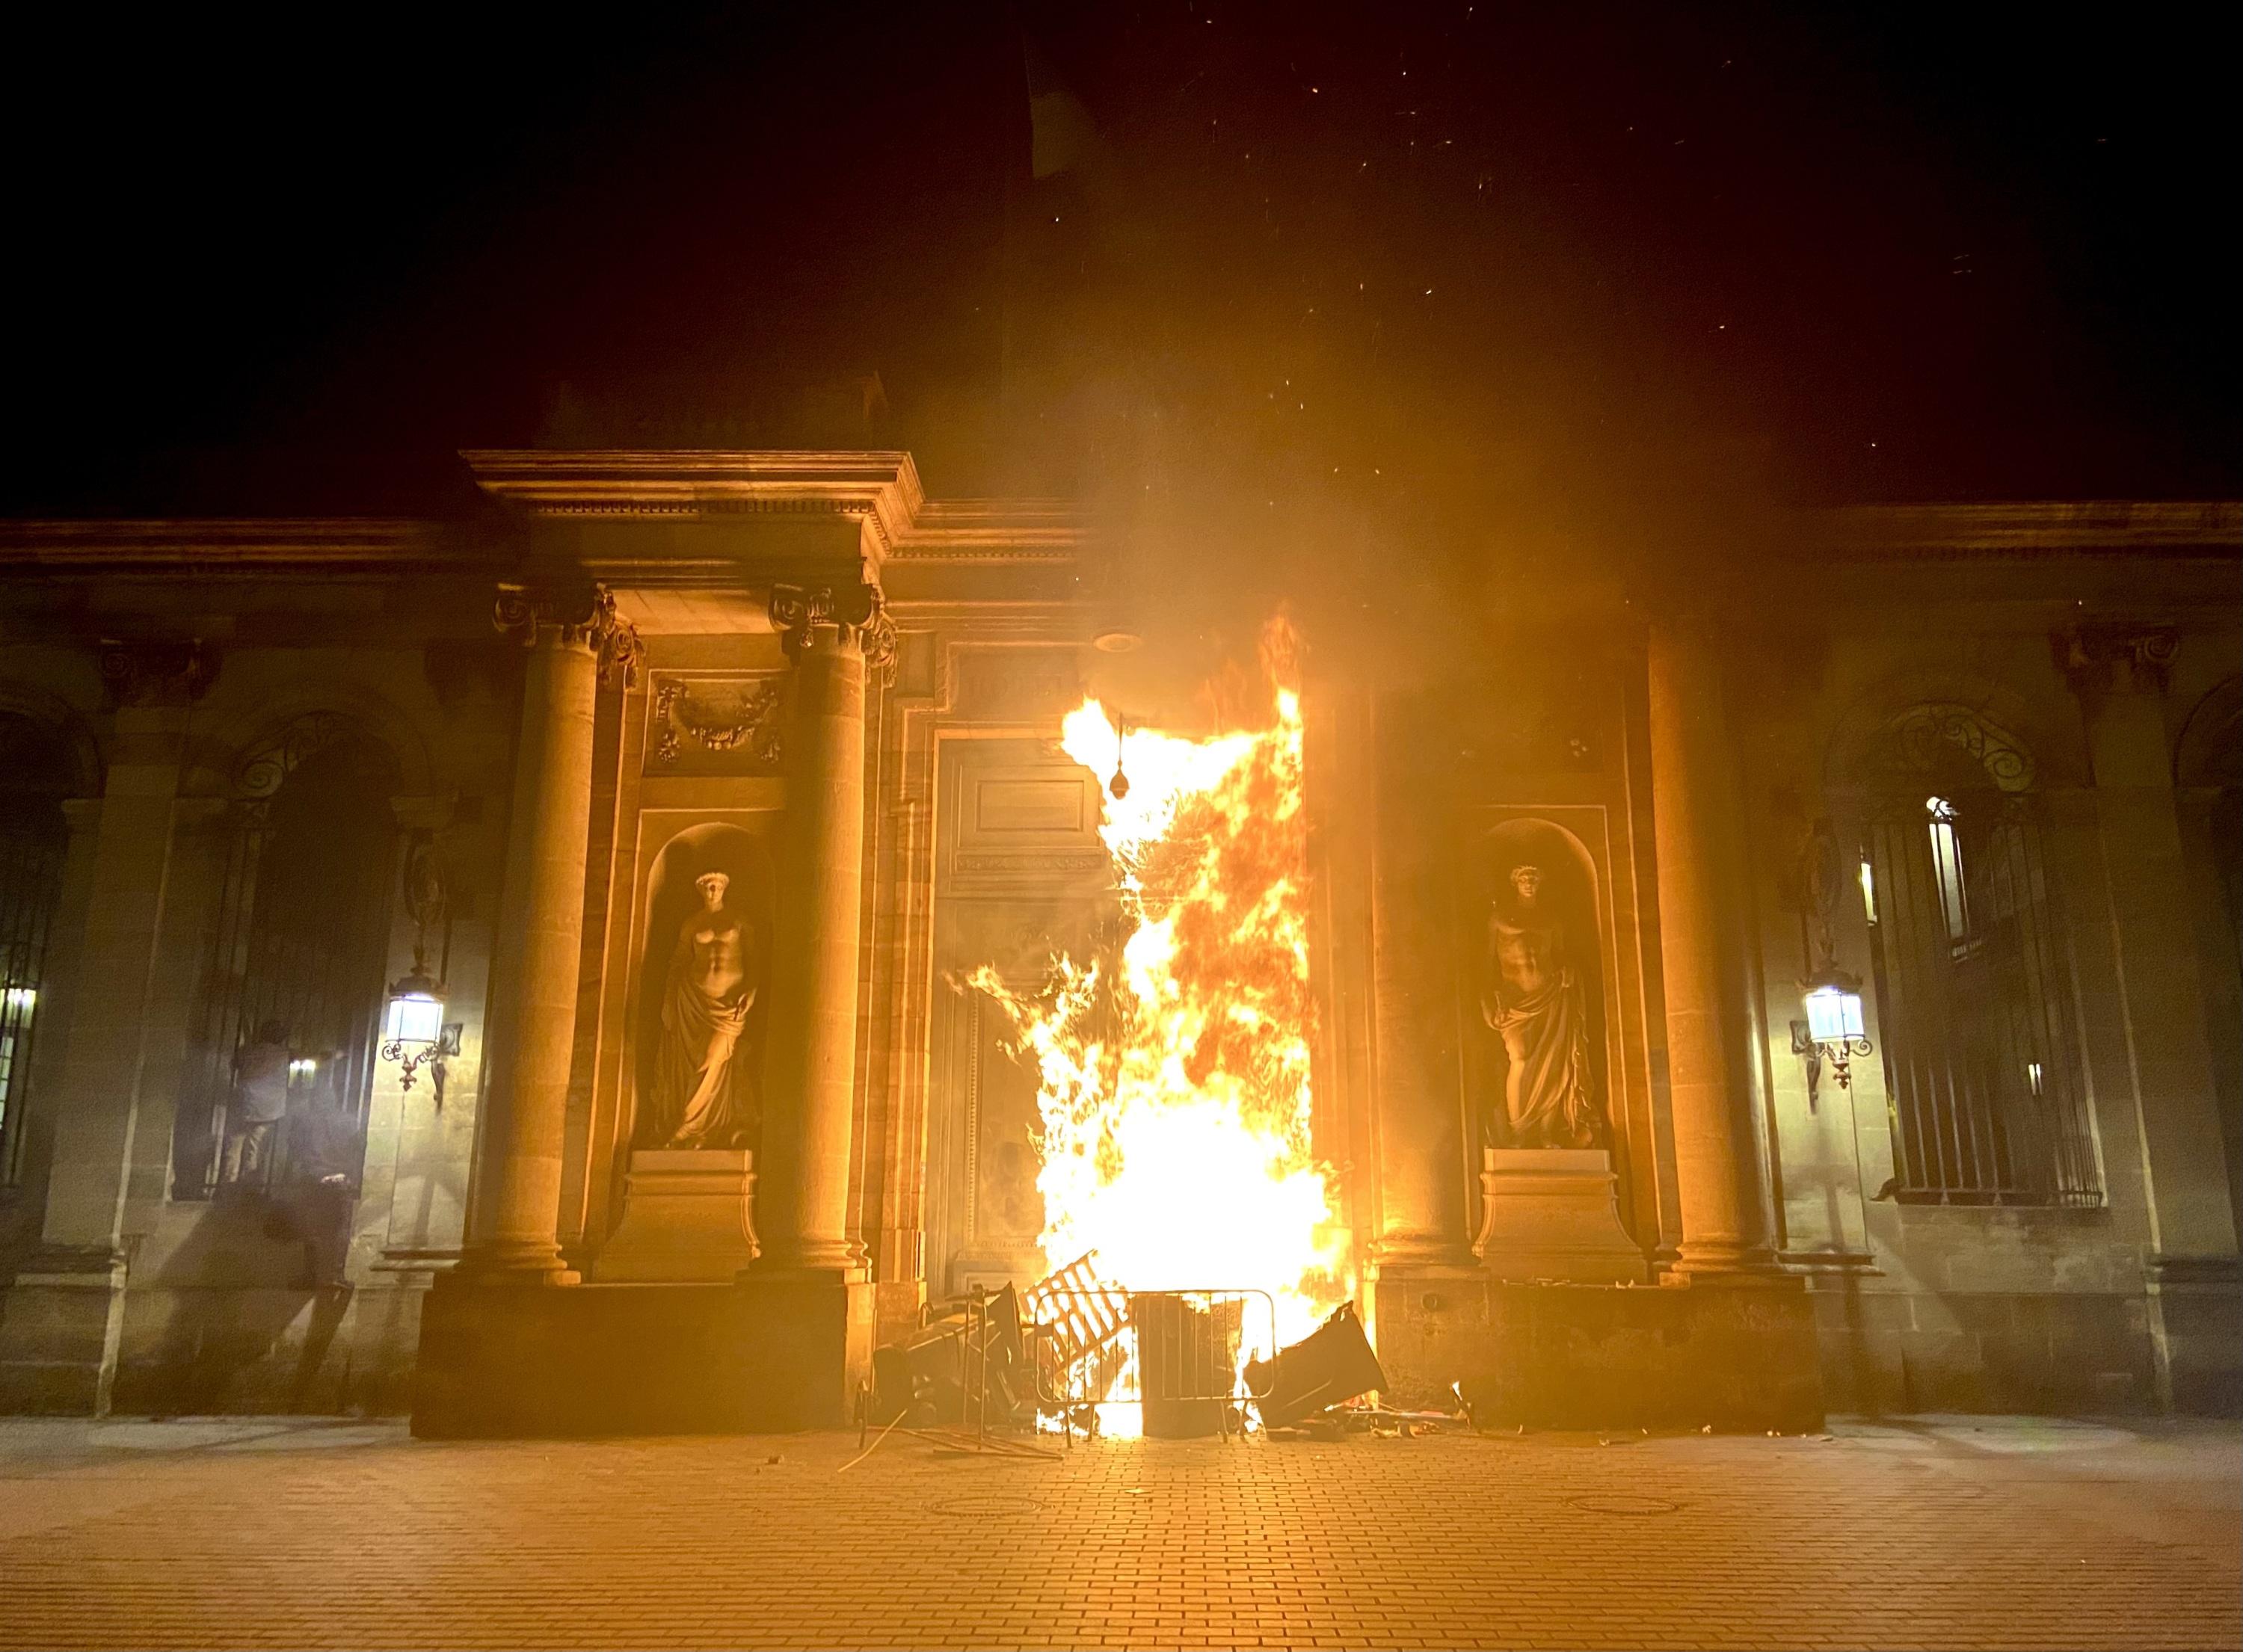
column 1708, row 1052
column 573, row 636
column 811, row 1067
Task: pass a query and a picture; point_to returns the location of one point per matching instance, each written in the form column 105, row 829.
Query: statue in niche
column 704, row 1083
column 1536, row 1003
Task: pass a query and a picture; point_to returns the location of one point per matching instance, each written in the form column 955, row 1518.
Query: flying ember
column 1174, row 1067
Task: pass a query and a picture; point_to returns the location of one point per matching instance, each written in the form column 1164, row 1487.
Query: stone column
column 58, row 1344
column 573, row 636
column 2119, row 675
column 1423, row 1174
column 810, row 1066
column 1709, row 1050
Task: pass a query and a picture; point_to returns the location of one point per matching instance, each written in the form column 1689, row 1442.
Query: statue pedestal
column 689, row 1216
column 1552, row 1213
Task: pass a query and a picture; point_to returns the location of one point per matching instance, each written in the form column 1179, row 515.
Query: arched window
column 32, row 839
column 1971, row 967
column 303, row 930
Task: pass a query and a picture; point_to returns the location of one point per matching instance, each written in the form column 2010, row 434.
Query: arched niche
column 671, row 897
column 1571, row 893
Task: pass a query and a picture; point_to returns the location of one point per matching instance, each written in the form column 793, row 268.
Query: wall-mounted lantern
column 1833, row 1030
column 413, row 1031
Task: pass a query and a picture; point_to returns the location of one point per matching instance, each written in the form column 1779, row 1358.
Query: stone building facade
column 1986, row 764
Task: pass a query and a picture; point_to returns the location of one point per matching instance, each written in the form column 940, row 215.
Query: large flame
column 1174, row 1072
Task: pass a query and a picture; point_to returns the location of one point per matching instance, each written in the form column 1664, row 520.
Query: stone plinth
column 501, row 1361
column 1554, row 1214
column 688, row 1218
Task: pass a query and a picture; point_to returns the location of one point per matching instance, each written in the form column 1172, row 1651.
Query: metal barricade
column 1080, row 1311
column 1178, row 1355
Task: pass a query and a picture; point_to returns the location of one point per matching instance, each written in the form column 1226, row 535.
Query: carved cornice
column 880, row 488
column 157, row 674
column 2031, row 529
column 219, row 548
column 994, row 530
column 2091, row 657
column 571, row 614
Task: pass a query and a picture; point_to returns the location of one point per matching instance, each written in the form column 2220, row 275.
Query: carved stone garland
column 758, row 726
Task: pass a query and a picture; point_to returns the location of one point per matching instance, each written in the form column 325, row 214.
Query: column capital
column 858, row 614
column 571, row 613
column 157, row 674
column 2117, row 659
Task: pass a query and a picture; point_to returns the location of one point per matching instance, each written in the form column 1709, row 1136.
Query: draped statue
column 704, row 1082
column 1535, row 1002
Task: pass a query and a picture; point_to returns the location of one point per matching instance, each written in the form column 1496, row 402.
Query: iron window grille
column 302, row 933
column 1971, row 966
column 32, row 838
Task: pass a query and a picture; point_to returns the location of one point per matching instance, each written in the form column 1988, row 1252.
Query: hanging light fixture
column 1118, row 788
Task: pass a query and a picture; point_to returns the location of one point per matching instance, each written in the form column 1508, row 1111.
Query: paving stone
column 1951, row 1533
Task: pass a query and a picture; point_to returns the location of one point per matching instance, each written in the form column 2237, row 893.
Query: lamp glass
column 1833, row 1014
column 415, row 1018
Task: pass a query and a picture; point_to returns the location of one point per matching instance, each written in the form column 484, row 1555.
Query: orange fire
column 1174, row 1074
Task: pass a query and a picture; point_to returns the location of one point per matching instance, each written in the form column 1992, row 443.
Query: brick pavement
column 1959, row 1533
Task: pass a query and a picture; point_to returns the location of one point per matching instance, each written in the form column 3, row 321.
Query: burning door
column 1019, row 875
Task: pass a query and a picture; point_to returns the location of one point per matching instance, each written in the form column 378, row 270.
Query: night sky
column 1429, row 266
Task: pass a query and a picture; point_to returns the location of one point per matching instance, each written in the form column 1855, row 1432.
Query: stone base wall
column 213, row 1350
column 1581, row 1356
column 502, row 1361
column 2198, row 1323
column 1900, row 1351
column 251, row 1350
